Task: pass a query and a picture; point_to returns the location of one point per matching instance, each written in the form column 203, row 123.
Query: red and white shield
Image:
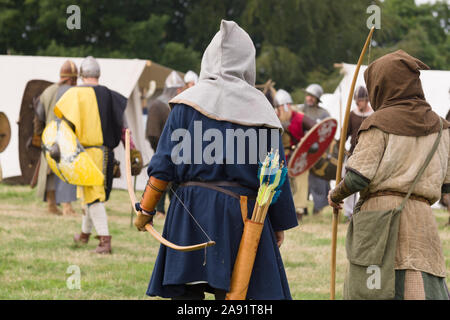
column 312, row 146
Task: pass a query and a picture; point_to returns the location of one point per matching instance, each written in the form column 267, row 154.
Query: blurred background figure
column 317, row 186
column 190, row 78
column 295, row 125
column 158, row 112
column 49, row 187
column 357, row 116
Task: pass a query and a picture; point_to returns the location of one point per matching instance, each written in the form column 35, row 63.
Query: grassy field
column 36, row 249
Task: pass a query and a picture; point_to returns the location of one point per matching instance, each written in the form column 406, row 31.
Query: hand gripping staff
column 339, row 165
column 149, row 226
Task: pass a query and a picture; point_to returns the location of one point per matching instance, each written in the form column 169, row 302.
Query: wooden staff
column 339, row 165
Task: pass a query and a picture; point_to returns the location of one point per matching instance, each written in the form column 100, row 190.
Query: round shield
column 326, row 166
column 312, row 146
column 29, row 155
column 67, row 158
column 5, row 131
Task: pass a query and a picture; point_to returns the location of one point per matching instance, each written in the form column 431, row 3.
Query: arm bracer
column 153, row 192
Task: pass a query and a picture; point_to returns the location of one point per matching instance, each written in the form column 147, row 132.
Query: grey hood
column 225, row 90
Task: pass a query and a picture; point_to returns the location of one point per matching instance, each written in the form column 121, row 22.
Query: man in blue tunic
column 215, row 134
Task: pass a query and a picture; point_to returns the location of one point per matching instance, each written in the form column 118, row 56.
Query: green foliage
column 179, row 57
column 279, row 64
column 203, row 19
column 318, row 33
column 297, row 41
column 147, row 37
column 422, row 31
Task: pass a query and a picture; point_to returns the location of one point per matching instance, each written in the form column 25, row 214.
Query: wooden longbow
column 339, row 165
column 149, row 227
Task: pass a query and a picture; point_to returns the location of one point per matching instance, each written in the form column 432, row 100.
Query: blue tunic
column 217, row 213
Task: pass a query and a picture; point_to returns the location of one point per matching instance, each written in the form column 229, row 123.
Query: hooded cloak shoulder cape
column 226, row 87
column 396, row 96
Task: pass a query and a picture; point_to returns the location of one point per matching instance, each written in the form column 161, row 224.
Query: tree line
column 297, row 41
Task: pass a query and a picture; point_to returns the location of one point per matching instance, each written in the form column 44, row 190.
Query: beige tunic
column 391, row 163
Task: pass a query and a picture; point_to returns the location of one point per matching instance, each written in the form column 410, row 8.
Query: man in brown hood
column 393, row 144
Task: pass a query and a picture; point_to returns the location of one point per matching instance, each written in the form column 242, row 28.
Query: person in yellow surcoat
column 96, row 115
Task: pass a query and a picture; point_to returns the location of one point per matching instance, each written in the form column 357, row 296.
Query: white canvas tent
column 435, row 83
column 126, row 76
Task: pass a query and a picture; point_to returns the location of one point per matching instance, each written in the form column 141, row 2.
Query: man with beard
column 394, row 144
column 318, row 187
column 49, row 186
column 225, row 104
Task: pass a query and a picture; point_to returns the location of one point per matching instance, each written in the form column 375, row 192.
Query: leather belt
column 217, row 186
column 398, row 194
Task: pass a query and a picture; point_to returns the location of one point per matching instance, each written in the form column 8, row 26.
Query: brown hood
column 396, row 96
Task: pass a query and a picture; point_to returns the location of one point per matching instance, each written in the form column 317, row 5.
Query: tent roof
column 121, row 75
column 156, row 72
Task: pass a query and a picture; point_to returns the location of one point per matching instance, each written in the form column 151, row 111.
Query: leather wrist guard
column 152, row 193
column 340, row 192
column 352, row 182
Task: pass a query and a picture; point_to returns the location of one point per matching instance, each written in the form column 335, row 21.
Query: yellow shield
column 67, row 158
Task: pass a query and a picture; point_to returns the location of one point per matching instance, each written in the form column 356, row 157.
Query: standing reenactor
column 318, row 187
column 295, row 125
column 158, row 112
column 356, row 117
column 394, row 145
column 96, row 115
column 219, row 194
column 49, row 186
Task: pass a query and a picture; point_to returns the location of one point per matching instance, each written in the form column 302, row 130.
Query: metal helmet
column 68, row 70
column 361, row 93
column 315, row 90
column 191, row 76
column 171, row 85
column 90, row 68
column 282, row 97
column 173, row 80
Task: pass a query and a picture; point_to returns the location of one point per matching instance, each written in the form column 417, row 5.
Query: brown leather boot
column 81, row 238
column 68, row 210
column 51, row 200
column 104, row 247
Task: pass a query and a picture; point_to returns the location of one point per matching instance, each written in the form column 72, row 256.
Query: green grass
column 37, row 248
